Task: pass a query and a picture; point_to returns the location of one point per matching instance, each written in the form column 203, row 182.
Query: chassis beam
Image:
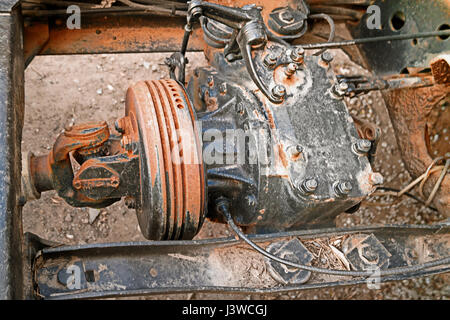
column 226, row 265
column 11, row 122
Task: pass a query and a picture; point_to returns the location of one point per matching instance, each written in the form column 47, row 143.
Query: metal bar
column 11, row 122
column 220, row 265
column 330, row 45
column 121, row 32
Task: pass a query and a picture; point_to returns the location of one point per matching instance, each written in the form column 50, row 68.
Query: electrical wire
column 332, row 25
column 223, row 207
column 333, row 45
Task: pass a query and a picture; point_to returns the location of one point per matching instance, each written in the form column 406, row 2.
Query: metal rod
column 330, row 45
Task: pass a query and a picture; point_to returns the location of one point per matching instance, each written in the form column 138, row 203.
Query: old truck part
column 285, row 155
column 261, row 139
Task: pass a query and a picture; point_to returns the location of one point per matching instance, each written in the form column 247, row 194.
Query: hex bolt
column 287, row 16
column 290, row 69
column 298, row 54
column 362, row 146
column 376, row 179
column 343, row 188
column 308, row 186
column 270, row 60
column 326, row 57
column 278, row 91
column 340, row 89
column 295, row 152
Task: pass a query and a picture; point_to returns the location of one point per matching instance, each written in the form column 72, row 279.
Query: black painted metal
column 11, row 122
column 308, row 136
column 393, row 57
column 143, row 268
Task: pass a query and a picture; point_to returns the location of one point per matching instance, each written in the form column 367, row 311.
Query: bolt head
column 287, row 16
column 340, row 89
column 298, row 54
column 270, row 60
column 343, row 188
column 343, row 86
column 363, row 146
column 310, row 185
column 290, row 69
column 327, row 57
column 279, row 91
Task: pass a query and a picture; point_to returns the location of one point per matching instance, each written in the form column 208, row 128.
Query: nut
column 362, row 146
column 298, row 54
column 327, row 57
column 343, row 188
column 290, row 69
column 308, row 186
column 278, row 91
column 270, row 60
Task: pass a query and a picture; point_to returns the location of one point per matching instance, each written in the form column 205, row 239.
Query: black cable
column 223, row 207
column 406, row 194
column 331, row 45
column 332, row 25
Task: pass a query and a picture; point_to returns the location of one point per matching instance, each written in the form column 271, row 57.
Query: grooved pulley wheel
column 173, row 185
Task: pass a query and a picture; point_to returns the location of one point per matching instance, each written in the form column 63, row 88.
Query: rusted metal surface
column 34, row 39
column 105, row 169
column 409, row 110
column 366, row 129
column 440, row 68
column 172, row 175
column 114, row 33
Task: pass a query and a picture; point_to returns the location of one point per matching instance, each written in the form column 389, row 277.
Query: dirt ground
column 62, row 90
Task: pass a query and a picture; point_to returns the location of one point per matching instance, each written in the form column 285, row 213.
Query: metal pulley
column 172, row 180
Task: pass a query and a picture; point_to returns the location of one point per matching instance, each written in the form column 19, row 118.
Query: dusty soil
column 61, row 90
